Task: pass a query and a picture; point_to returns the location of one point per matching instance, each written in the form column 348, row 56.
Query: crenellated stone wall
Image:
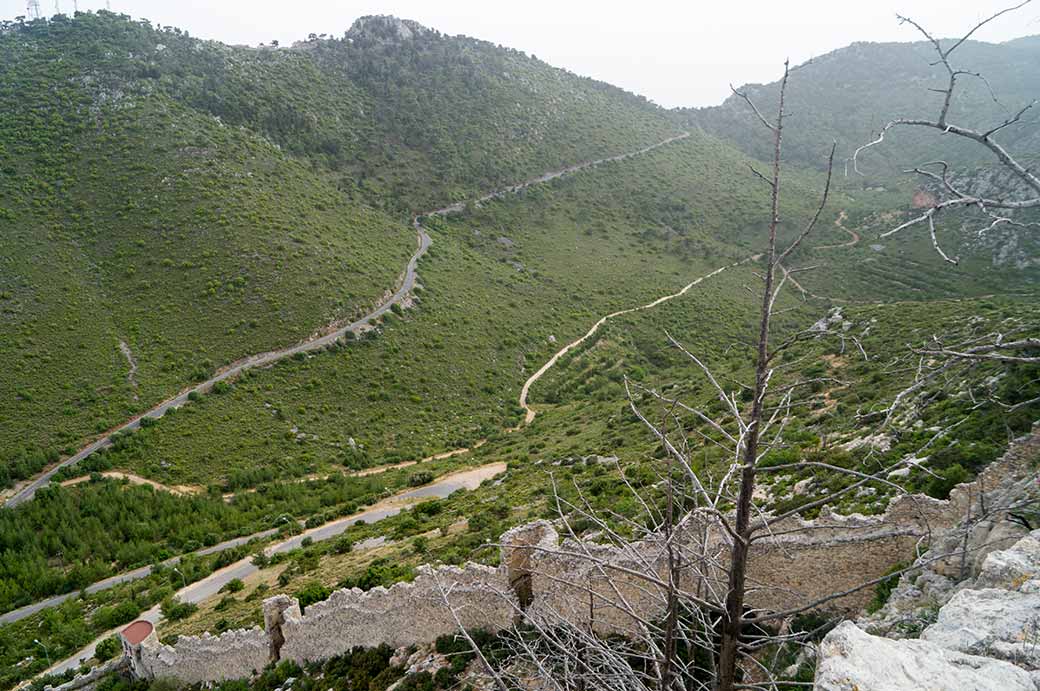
column 235, row 654
column 404, row 614
column 544, row 580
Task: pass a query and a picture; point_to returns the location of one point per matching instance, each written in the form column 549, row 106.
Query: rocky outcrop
column 545, row 580
column 986, row 636
column 385, row 28
column 852, row 660
column 996, row 623
column 999, row 616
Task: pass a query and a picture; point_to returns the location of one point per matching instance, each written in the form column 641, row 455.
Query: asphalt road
column 137, row 574
column 211, row 585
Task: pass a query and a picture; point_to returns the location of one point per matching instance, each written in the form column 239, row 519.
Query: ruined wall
column 404, row 614
column 231, row 655
column 545, row 581
column 796, row 563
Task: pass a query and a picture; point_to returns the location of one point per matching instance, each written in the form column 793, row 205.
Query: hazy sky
column 676, row 53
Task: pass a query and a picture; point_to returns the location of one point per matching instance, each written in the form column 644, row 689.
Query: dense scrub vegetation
column 70, row 537
column 849, row 94
column 198, row 202
column 176, row 204
column 131, row 221
column 504, row 286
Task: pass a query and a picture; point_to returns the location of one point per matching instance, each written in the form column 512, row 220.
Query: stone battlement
column 546, row 580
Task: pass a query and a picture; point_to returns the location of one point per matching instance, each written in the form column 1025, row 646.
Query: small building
column 132, row 637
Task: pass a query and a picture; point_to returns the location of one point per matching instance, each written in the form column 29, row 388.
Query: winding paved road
column 28, row 489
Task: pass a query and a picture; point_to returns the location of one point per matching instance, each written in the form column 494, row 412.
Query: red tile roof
column 137, row 632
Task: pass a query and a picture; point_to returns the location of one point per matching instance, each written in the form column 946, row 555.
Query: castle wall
column 546, row 581
column 404, row 614
column 232, row 655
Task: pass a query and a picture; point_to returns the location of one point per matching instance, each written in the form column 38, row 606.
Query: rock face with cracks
column 986, row 637
column 850, row 659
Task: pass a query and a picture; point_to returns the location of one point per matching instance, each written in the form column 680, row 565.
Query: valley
column 298, row 324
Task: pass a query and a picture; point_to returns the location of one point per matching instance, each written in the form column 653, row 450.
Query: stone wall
column 232, row 655
column 405, row 614
column 545, row 581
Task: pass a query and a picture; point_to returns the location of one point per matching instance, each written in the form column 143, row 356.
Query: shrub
column 312, row 592
column 110, row 617
column 107, row 649
column 420, row 478
column 883, row 590
column 343, row 545
column 939, row 487
column 224, row 603
column 175, row 610
column 420, row 544
column 235, row 585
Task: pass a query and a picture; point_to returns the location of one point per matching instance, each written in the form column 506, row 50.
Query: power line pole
column 32, row 9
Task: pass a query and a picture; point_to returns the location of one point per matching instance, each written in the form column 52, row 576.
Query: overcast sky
column 676, row 53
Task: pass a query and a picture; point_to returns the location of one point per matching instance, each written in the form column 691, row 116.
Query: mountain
column 169, row 205
column 849, row 94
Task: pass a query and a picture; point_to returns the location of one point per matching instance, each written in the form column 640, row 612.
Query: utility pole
column 32, row 9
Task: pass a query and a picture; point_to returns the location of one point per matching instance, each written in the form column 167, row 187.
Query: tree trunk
column 733, row 620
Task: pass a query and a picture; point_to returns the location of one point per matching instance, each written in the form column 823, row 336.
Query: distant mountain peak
column 385, row 27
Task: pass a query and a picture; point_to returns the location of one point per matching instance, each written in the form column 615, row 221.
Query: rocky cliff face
column 985, row 637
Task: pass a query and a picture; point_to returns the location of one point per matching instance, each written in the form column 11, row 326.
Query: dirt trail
column 853, row 235
column 128, row 354
column 26, row 490
column 183, row 490
column 525, row 391
column 374, row 470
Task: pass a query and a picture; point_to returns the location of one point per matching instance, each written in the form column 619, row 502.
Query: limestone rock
column 993, row 622
column 1012, row 568
column 850, row 659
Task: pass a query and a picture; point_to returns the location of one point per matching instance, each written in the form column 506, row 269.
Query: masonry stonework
column 543, row 580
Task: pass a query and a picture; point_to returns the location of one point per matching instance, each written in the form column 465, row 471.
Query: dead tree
column 954, row 196
column 946, row 355
column 677, row 575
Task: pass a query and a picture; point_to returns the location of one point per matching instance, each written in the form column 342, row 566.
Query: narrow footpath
column 26, row 490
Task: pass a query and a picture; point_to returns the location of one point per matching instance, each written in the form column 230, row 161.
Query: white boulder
column 850, row 659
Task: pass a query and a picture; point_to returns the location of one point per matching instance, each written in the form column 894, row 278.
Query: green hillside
column 849, row 94
column 134, row 219
column 170, row 205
